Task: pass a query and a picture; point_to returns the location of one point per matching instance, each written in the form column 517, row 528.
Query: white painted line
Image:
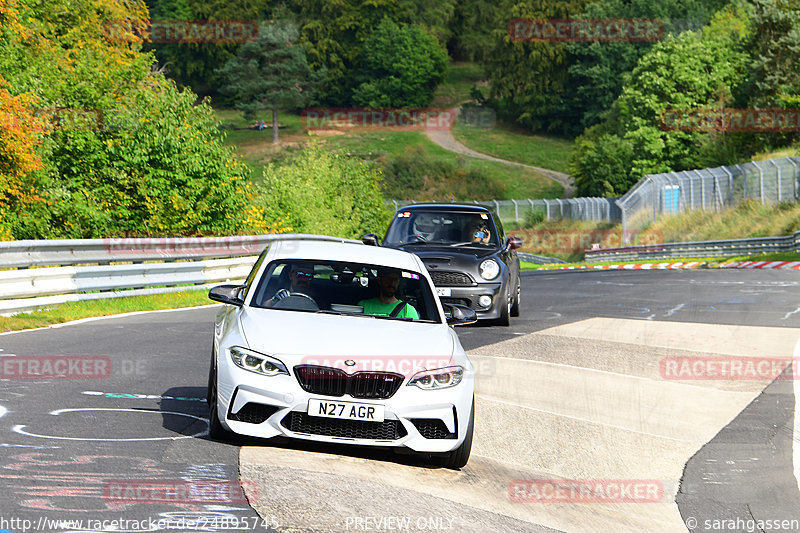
column 796, row 433
column 21, row 428
column 93, row 318
column 787, row 315
column 587, row 420
column 675, row 309
column 3, row 411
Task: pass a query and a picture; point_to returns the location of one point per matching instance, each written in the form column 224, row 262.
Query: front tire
column 458, row 458
column 215, row 429
column 505, row 312
column 517, row 297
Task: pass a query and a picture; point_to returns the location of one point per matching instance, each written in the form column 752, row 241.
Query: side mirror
column 370, row 239
column 460, row 315
column 227, row 294
column 513, row 243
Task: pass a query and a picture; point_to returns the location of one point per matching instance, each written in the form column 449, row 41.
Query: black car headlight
column 256, row 362
column 441, row 378
column 489, row 269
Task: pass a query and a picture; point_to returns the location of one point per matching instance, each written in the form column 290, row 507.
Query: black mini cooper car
column 466, row 251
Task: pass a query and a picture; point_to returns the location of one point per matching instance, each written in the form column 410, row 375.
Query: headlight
column 441, row 378
column 256, row 362
column 489, row 269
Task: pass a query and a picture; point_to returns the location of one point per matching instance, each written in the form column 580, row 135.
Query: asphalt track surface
column 573, row 390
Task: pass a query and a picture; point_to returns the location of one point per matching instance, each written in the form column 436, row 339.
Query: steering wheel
column 297, row 300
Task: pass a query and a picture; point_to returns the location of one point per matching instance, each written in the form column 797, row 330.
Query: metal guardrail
column 539, row 259
column 23, row 288
column 21, row 254
column 720, row 248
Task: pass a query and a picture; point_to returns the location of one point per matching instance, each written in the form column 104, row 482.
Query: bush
column 418, row 175
column 323, row 192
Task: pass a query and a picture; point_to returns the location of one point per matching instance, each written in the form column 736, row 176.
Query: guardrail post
column 761, row 181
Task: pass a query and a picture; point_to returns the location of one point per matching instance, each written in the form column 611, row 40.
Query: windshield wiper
column 470, row 243
column 422, row 242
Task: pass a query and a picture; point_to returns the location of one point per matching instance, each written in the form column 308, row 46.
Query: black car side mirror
column 460, row 315
column 227, row 294
column 370, row 239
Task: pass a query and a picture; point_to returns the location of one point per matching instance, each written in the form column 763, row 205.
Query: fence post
column 516, row 211
column 547, row 209
column 795, row 175
column 761, row 180
column 702, row 189
column 744, row 179
column 780, row 184
column 730, row 181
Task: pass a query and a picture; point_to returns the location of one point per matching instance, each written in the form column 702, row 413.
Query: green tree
column 334, row 33
column 271, row 72
column 400, row 66
column 324, row 192
column 528, row 80
column 696, row 70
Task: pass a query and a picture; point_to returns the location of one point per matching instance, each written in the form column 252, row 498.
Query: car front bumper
column 469, row 296
column 265, row 407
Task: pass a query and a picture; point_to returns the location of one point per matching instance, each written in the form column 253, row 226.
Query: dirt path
column 445, row 139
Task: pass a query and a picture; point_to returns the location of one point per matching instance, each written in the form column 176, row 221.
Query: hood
column 434, row 251
column 330, row 340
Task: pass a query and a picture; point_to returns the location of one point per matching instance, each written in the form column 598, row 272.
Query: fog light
column 485, row 301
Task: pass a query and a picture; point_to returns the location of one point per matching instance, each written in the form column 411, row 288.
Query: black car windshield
column 346, row 288
column 442, row 227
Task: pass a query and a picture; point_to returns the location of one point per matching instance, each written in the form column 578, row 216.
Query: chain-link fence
column 769, row 181
column 594, row 209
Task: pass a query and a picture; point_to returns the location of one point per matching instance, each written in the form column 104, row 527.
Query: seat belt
column 396, row 311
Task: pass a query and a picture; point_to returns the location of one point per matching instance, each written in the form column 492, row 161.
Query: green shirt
column 373, row 306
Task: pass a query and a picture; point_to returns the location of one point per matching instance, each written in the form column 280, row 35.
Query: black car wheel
column 505, row 312
column 458, row 458
column 517, row 297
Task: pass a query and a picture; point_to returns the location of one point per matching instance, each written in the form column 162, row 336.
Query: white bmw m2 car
column 344, row 343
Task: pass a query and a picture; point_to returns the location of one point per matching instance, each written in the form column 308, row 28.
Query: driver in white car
column 300, row 277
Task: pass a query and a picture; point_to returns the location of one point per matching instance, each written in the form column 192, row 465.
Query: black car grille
column 300, row 422
column 254, row 413
column 432, row 428
column 450, row 279
column 336, row 382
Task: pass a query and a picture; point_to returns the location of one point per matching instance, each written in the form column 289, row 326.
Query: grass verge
column 93, row 308
column 514, row 144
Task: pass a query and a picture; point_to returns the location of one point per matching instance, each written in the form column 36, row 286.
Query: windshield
column 346, row 288
column 446, row 228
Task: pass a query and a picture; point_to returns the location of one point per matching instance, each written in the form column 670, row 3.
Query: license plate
column 348, row 410
column 443, row 291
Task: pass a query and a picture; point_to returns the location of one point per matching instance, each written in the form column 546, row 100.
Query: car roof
column 344, row 251
column 446, row 207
